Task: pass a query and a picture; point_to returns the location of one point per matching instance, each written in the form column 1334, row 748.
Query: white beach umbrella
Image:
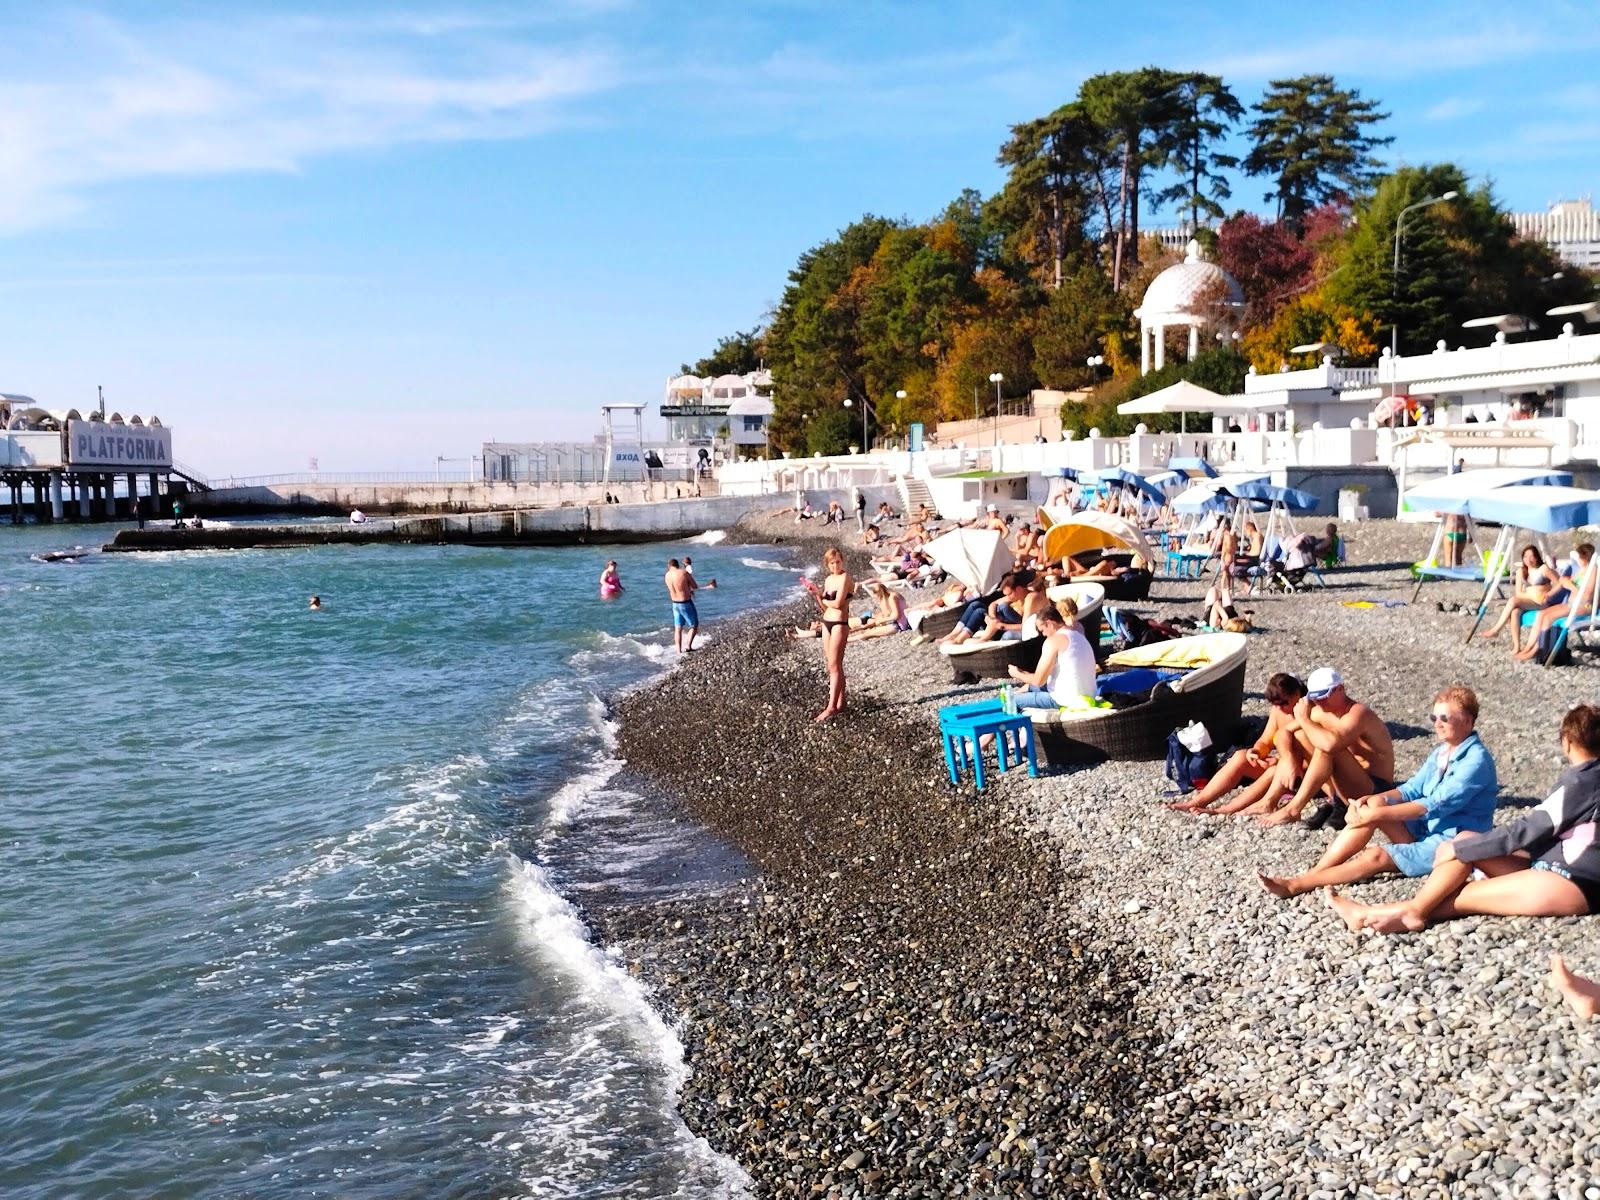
column 976, row 557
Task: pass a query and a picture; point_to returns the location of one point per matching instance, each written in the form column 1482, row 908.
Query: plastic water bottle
column 1007, row 705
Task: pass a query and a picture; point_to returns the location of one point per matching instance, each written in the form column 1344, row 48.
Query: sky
column 375, row 236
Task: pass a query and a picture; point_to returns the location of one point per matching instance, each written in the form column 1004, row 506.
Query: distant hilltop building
column 731, row 409
column 1570, row 227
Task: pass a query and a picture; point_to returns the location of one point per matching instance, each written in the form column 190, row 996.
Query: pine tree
column 1312, row 138
column 1136, row 111
column 1205, row 110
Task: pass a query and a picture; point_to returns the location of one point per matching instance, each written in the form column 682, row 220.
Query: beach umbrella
column 1192, row 466
column 1202, row 498
column 975, row 557
column 1052, row 514
column 1455, row 493
column 1537, row 508
column 1292, row 499
column 1128, row 479
column 1095, row 531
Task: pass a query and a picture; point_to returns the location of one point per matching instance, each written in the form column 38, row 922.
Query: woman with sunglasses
column 1452, row 792
column 1544, row 864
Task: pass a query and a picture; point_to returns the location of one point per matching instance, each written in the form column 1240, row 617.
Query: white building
column 697, row 409
column 1570, row 227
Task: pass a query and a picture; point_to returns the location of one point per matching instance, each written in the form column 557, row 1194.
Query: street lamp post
column 997, row 379
column 1399, row 232
column 901, row 415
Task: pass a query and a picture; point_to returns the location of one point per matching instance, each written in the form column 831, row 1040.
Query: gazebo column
column 1144, row 348
column 1194, row 341
column 1161, row 346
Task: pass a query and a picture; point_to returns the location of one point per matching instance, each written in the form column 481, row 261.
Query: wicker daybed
column 973, row 660
column 1212, row 692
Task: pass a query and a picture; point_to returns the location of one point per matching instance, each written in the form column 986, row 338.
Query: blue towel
column 1133, row 679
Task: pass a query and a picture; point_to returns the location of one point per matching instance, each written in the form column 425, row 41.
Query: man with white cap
column 995, row 521
column 1352, row 752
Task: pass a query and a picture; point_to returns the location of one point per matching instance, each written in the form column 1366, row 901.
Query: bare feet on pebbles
column 1582, row 995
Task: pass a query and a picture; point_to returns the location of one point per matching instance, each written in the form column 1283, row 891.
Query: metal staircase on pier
column 913, row 492
column 195, row 479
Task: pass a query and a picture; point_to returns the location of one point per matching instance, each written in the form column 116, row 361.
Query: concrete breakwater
column 568, row 526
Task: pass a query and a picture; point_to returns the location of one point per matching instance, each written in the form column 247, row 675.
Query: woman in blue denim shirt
column 1452, row 792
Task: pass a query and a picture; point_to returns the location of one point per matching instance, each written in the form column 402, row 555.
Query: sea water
column 291, row 901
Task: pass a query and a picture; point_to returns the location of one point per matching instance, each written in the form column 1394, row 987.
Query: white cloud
column 262, row 94
column 1453, row 108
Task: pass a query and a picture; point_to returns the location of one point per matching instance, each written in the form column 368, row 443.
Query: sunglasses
column 1441, row 718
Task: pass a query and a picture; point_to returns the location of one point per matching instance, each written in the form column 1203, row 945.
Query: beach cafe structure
column 56, row 463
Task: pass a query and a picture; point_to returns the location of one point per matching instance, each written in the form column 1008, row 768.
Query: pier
column 576, row 525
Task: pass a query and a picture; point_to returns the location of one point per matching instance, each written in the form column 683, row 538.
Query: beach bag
column 1547, row 643
column 1191, row 758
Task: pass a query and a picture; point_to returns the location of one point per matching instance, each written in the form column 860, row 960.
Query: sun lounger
column 1211, row 691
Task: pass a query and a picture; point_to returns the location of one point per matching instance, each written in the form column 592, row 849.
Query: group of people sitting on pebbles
column 1548, row 589
column 1325, row 748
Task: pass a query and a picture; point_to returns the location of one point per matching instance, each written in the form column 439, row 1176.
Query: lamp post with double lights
column 997, row 379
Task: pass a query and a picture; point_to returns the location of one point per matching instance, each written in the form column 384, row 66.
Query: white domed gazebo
column 1194, row 293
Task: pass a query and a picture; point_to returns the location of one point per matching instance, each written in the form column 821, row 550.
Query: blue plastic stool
column 1013, row 740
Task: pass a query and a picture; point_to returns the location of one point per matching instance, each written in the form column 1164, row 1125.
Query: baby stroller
column 1288, row 573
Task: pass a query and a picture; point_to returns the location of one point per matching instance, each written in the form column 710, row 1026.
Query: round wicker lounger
column 1212, row 693
column 972, row 661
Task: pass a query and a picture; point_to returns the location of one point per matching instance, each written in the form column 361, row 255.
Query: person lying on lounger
column 1580, row 602
column 1268, row 769
column 1000, row 617
column 1452, row 792
column 1353, row 754
column 1544, row 864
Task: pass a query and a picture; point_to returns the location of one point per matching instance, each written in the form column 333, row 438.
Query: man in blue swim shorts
column 1454, row 791
column 685, row 620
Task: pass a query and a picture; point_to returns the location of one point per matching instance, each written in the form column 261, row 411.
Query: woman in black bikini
column 834, row 598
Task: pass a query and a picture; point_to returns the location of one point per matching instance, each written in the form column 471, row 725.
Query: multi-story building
column 1570, row 227
column 728, row 410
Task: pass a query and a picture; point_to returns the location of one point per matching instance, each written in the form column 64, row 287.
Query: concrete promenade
column 570, row 526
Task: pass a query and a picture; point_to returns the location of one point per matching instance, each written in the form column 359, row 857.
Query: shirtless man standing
column 1352, row 753
column 685, row 620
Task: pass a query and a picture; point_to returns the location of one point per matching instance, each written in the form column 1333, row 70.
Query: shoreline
column 902, row 997
column 1242, row 1044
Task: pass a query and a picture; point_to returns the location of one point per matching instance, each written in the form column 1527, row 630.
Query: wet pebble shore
column 903, row 1003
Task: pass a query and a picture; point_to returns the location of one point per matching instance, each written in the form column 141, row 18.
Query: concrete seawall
column 576, row 525
column 334, row 498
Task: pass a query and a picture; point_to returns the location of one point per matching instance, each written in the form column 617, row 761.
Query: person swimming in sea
column 316, row 604
column 610, row 582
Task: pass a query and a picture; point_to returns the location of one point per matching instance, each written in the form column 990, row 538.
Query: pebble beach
column 1059, row 987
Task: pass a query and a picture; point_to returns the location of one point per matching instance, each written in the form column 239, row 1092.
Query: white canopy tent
column 1184, row 397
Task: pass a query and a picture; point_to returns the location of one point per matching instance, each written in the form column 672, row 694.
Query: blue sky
column 375, row 235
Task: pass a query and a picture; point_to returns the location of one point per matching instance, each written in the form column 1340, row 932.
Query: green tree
column 812, row 343
column 1311, row 138
column 737, row 354
column 1071, row 326
column 1052, row 164
column 1204, row 112
column 1135, row 112
column 1458, row 260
